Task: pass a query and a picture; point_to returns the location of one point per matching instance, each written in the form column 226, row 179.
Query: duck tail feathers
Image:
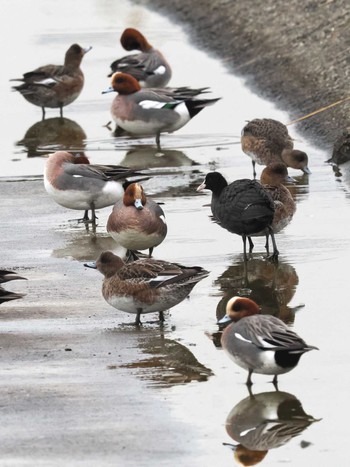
column 194, row 106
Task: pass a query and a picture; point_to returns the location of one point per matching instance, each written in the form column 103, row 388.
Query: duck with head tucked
column 84, row 186
column 149, row 67
column 153, row 111
column 54, row 86
column 242, row 207
column 266, row 140
column 136, row 221
column 145, row 285
column 260, row 343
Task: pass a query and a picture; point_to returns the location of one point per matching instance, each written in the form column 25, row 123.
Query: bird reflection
column 6, row 276
column 300, row 188
column 151, row 157
column 167, row 363
column 177, row 184
column 87, row 247
column 343, row 172
column 53, row 134
column 271, row 285
column 265, row 421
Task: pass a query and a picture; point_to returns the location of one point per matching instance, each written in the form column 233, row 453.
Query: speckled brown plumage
column 146, row 285
column 54, row 86
column 267, row 140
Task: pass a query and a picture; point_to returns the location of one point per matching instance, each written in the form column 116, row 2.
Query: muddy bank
column 294, row 53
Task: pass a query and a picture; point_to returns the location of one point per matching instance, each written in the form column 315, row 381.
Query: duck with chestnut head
column 260, row 343
column 137, row 222
column 148, row 66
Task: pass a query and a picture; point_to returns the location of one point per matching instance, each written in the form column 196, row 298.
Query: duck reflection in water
column 87, row 245
column 265, row 421
column 174, row 182
column 300, row 188
column 53, row 133
column 166, row 362
column 271, row 285
column 342, row 174
column 151, row 157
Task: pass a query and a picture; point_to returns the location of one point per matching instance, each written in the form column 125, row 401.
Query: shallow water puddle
column 180, row 370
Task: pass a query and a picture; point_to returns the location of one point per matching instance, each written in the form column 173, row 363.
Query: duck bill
column 91, row 264
column 290, row 179
column 138, row 204
column 231, row 446
column 87, row 49
column 225, row 320
column 109, row 89
column 306, row 170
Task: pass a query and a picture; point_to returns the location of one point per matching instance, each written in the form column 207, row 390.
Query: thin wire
column 319, row 110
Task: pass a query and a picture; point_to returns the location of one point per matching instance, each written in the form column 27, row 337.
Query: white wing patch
column 265, row 344
column 241, row 338
column 162, row 278
column 243, row 433
column 152, row 104
column 162, row 217
column 46, row 82
column 160, row 70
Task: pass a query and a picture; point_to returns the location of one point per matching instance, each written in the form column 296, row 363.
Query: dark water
column 184, row 370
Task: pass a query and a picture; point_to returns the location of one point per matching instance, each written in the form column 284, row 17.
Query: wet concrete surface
column 79, row 385
column 67, row 396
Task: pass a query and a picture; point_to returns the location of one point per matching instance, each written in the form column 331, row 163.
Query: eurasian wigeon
column 145, row 285
column 266, row 140
column 153, row 111
column 6, row 276
column 84, row 186
column 272, row 178
column 242, row 207
column 152, row 158
column 260, row 343
column 136, row 221
column 149, row 67
column 54, row 86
